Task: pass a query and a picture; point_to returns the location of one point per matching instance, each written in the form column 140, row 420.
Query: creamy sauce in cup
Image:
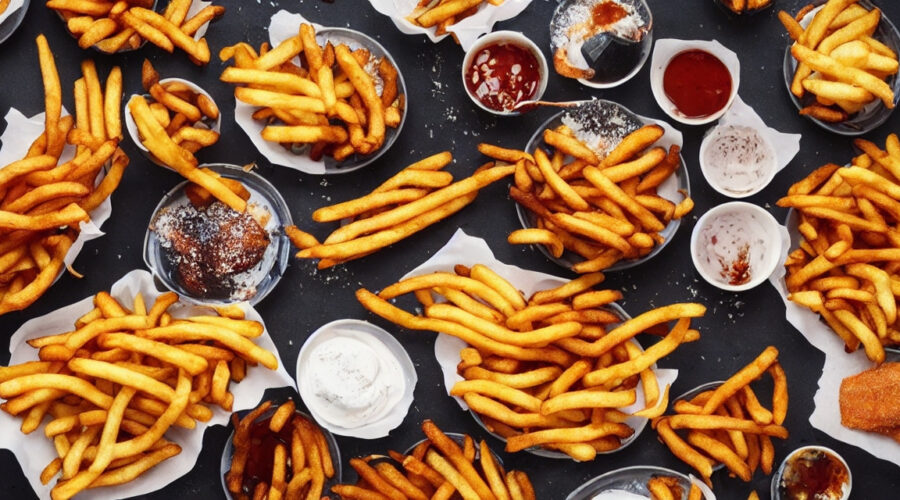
column 355, row 379
column 737, row 159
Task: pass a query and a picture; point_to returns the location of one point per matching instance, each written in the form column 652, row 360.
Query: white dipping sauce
column 737, row 159
column 618, row 495
column 732, row 246
column 354, row 378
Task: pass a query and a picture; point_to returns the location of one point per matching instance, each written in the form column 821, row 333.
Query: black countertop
column 735, row 329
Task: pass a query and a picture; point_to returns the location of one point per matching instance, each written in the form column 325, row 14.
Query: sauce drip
column 502, row 75
column 813, row 474
column 608, row 12
column 697, row 83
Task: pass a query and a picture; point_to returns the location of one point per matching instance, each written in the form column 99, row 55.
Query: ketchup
column 502, row 75
column 697, row 83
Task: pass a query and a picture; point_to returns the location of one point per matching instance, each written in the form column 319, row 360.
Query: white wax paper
column 17, row 138
column 13, row 6
column 34, row 451
column 468, row 251
column 826, row 415
column 467, row 31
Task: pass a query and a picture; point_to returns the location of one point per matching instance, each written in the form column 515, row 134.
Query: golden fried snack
column 728, row 424
column 43, row 200
column 113, row 26
column 551, row 371
column 112, row 388
column 330, row 103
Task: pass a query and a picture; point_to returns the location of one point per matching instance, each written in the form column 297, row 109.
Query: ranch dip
column 353, row 377
column 737, row 159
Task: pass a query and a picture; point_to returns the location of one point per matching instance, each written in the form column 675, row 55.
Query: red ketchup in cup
column 502, row 75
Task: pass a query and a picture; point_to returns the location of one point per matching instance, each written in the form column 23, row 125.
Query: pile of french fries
column 551, row 371
column 303, row 104
column 742, row 6
column 847, row 267
column 438, row 467
column 187, row 114
column 175, row 149
column 669, row 488
column 413, row 199
column 441, row 14
column 114, row 385
column 728, row 424
column 300, row 467
column 111, row 26
column 838, row 60
column 39, row 194
column 603, row 209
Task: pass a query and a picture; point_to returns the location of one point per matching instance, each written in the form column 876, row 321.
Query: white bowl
column 515, row 38
column 763, row 181
column 776, row 478
column 667, row 48
column 394, row 417
column 768, row 236
column 131, row 126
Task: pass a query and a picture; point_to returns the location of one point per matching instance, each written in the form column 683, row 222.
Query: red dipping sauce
column 697, row 83
column 502, row 75
column 262, row 449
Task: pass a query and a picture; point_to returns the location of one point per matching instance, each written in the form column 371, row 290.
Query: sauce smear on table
column 502, row 75
column 697, row 83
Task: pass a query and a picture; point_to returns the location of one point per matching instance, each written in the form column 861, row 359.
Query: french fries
column 546, row 373
column 329, row 105
column 838, row 72
column 601, row 209
column 441, row 466
column 745, row 6
column 187, row 115
column 845, row 268
column 42, row 194
column 115, row 385
column 441, row 14
column 301, row 460
column 418, row 196
column 728, row 424
column 113, row 26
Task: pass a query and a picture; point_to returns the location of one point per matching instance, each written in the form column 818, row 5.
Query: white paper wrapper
column 467, row 250
column 196, row 7
column 467, row 31
column 34, row 451
column 786, row 146
column 13, row 6
column 826, row 415
column 19, row 134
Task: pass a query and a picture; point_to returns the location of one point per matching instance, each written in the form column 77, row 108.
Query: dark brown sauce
column 813, row 474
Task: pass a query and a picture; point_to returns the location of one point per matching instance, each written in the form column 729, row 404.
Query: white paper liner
column 17, row 138
column 34, row 451
column 826, row 415
column 467, row 31
column 397, row 413
column 666, row 48
column 13, row 6
column 197, row 6
column 785, row 146
column 468, row 250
